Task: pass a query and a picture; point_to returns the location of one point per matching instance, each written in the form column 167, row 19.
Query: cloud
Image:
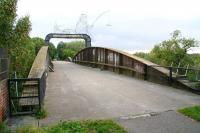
column 134, row 24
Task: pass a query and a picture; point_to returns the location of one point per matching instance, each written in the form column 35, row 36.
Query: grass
column 4, row 128
column 42, row 113
column 192, row 112
column 27, row 129
column 89, row 126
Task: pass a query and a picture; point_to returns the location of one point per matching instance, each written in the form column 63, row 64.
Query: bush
column 66, row 50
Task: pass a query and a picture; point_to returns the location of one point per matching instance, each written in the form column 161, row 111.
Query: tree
column 173, row 50
column 38, row 43
column 22, row 52
column 69, row 49
column 14, row 35
column 7, row 21
column 52, row 51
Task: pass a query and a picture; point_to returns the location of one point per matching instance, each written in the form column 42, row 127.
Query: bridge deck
column 79, row 92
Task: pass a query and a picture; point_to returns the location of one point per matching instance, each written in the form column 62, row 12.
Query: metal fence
column 26, row 95
column 4, row 60
column 187, row 76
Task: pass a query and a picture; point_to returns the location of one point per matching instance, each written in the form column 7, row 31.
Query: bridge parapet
column 124, row 63
column 117, row 61
column 40, row 64
column 27, row 94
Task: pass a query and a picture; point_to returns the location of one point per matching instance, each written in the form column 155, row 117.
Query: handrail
column 194, row 69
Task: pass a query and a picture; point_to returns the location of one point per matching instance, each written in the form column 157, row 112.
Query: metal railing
column 181, row 72
column 185, row 75
column 26, row 95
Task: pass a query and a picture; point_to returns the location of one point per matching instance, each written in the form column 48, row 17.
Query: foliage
column 52, row 51
column 22, row 53
column 69, row 49
column 39, row 42
column 141, row 54
column 196, row 60
column 173, row 50
column 193, row 112
column 14, row 35
column 4, row 128
column 27, row 129
column 95, row 126
column 7, row 21
column 146, row 56
column 191, row 76
column 42, row 113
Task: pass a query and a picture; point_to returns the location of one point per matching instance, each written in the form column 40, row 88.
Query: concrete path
column 80, row 92
column 165, row 122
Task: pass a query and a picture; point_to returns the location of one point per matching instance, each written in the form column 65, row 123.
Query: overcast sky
column 123, row 24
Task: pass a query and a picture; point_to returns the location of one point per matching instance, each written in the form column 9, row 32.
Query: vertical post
column 39, row 85
column 145, row 72
column 132, row 66
column 113, row 61
column 99, row 55
column 81, row 58
column 105, row 58
column 170, row 76
column 120, row 63
column 90, row 57
column 96, row 55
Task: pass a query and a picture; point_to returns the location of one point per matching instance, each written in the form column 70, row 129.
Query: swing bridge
column 27, row 94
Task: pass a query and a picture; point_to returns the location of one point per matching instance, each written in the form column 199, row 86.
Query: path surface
column 165, row 122
column 80, row 92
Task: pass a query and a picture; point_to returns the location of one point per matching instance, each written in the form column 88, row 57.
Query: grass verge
column 89, row 126
column 192, row 112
